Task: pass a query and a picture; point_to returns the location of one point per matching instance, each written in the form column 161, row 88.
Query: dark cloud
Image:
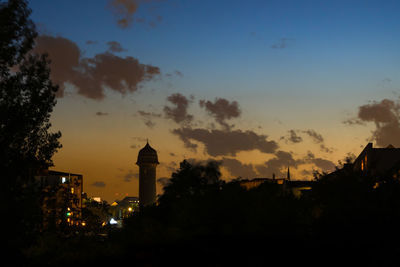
column 281, row 44
column 130, row 175
column 316, row 137
column 293, row 137
column 323, row 164
column 238, row 169
column 98, row 184
column 92, row 75
column 222, row 142
column 115, row 47
column 385, row 115
column 99, row 113
column 221, row 110
column 124, row 11
column 278, row 165
column 178, row 113
column 148, row 117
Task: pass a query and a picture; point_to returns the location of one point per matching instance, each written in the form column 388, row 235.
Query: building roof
column 147, row 155
column 377, row 160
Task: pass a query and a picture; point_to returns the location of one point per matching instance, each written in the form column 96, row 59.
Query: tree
column 192, row 181
column 27, row 97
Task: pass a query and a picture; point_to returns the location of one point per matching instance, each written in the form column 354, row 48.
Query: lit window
column 362, row 165
column 72, row 190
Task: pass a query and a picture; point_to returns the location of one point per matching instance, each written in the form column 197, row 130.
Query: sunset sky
column 258, row 85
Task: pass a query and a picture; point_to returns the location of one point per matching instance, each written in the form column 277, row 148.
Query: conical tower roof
column 147, row 155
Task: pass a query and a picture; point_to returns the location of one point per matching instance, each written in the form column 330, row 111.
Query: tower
column 147, row 162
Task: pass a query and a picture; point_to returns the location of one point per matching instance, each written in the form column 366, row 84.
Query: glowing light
column 63, row 180
column 129, row 209
column 113, row 221
column 83, row 224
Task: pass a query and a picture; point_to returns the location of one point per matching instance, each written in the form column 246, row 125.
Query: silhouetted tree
column 27, row 97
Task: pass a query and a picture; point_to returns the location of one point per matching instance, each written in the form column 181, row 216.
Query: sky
column 258, row 85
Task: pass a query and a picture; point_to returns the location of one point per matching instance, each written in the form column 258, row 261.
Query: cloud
column 385, row 115
column 178, row 113
column 278, row 165
column 92, row 75
column 115, row 47
column 324, row 164
column 223, row 142
column 148, row 117
column 281, row 44
column 316, row 137
column 130, row 175
column 221, row 110
column 98, row 184
column 124, row 11
column 293, row 137
column 99, row 113
column 238, row 169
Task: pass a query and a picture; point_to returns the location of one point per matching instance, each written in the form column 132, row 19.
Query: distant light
column 63, row 180
column 113, row 221
column 83, row 224
column 97, row 199
column 129, row 209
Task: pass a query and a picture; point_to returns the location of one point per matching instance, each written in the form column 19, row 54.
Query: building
column 124, row 208
column 147, row 161
column 378, row 161
column 62, row 197
column 296, row 187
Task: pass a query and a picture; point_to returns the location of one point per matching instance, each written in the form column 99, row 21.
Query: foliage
column 27, row 97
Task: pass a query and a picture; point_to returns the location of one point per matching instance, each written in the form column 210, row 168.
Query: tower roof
column 147, row 155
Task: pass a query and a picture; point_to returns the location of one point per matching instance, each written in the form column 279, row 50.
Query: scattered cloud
column 316, row 137
column 115, row 47
column 278, row 165
column 92, row 75
column 178, row 113
column 130, row 175
column 239, row 169
column 221, row 110
column 323, row 164
column 125, row 10
column 98, row 184
column 99, row 113
column 223, row 142
column 293, row 137
column 281, row 44
column 148, row 117
column 386, row 117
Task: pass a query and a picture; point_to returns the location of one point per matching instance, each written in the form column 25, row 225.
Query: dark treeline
column 202, row 220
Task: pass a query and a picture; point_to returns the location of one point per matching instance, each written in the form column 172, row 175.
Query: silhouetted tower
column 147, row 162
column 288, row 174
